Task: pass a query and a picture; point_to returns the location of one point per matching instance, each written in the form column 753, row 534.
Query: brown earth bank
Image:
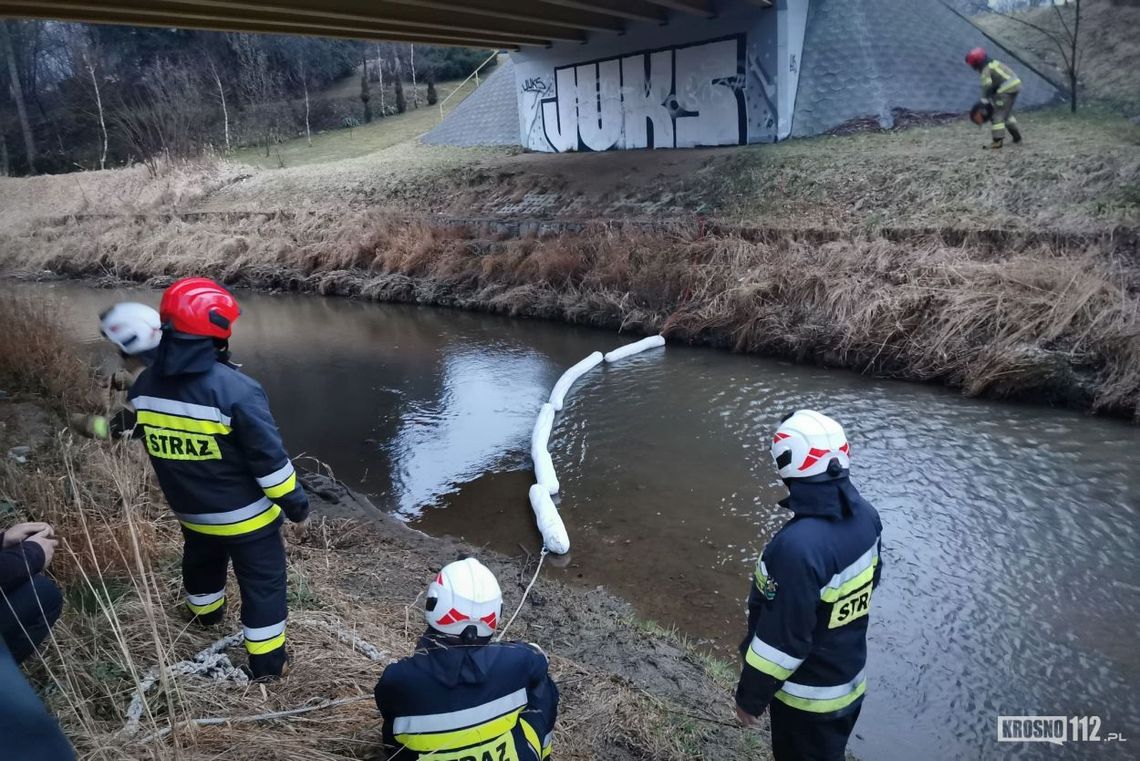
column 629, row 689
column 1043, row 317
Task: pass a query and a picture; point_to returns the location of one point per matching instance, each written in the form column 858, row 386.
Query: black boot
column 1014, row 132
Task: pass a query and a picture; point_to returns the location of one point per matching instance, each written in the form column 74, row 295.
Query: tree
column 17, row 90
column 412, row 67
column 87, row 53
column 222, row 98
column 1067, row 40
column 365, row 95
column 259, row 85
column 401, row 99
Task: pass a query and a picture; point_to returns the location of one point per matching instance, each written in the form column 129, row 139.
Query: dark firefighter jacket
column 809, row 604
column 452, row 701
column 213, row 443
column 998, row 79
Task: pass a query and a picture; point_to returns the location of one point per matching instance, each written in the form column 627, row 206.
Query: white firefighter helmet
column 133, row 327
column 807, row 442
column 464, row 594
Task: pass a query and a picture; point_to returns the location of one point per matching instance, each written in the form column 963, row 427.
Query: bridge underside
column 508, row 24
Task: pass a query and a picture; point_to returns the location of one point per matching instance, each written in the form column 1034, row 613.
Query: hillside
column 1109, row 47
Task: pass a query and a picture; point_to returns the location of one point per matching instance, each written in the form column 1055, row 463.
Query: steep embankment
column 628, row 691
column 911, row 255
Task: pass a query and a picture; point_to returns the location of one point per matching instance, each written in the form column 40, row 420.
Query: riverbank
column 630, row 690
column 1047, row 319
column 909, row 255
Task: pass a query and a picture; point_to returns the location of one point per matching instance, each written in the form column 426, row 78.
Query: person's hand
column 47, row 542
column 746, row 718
column 21, row 531
column 298, row 531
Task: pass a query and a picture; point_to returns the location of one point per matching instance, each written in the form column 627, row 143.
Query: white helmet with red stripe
column 133, row 327
column 807, row 442
column 464, row 594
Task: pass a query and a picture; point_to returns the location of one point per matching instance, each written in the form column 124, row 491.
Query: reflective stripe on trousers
column 459, row 729
column 243, row 520
column 264, row 639
column 200, row 605
column 822, row 699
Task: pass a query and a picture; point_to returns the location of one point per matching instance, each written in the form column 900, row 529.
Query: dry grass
column 1050, row 319
column 36, row 355
column 118, row 565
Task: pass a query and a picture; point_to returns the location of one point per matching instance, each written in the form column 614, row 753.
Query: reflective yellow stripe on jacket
column 280, row 482
column 460, row 729
column 244, row 520
column 825, row 699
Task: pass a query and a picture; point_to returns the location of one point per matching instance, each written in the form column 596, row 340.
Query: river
column 1011, row 576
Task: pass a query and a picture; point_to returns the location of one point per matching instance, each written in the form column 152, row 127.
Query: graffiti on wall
column 677, row 97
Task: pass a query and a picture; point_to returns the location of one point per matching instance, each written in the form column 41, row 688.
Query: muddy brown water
column 1011, row 581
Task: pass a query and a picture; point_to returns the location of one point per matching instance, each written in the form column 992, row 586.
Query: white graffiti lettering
column 679, row 97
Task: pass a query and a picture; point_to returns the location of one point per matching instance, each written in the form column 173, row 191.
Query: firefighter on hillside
column 1000, row 87
column 136, row 330
column 459, row 695
column 221, row 464
column 808, row 608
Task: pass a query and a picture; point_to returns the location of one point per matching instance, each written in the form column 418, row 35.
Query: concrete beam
column 693, row 7
column 522, row 10
column 634, row 10
column 98, row 15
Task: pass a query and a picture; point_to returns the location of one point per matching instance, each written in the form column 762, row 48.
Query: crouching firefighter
column 460, row 697
column 811, row 597
column 221, row 464
column 1000, row 87
column 135, row 329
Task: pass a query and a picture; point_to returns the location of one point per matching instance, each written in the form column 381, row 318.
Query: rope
column 503, row 631
column 210, row 662
column 257, row 717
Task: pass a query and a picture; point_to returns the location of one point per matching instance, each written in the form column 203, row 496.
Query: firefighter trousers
column 800, row 736
column 259, row 565
column 1003, row 116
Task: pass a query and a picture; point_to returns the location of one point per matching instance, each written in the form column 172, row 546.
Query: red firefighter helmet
column 198, row 306
column 976, row 57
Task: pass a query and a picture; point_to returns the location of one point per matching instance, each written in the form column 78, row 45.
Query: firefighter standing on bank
column 221, row 464
column 460, row 696
column 1000, row 86
column 811, row 595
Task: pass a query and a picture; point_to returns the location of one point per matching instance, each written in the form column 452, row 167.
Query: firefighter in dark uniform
column 460, row 697
column 811, row 597
column 222, row 466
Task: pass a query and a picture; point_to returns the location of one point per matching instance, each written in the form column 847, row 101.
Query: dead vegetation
column 352, row 593
column 1046, row 318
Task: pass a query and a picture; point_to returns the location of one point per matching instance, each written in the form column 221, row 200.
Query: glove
column 91, row 426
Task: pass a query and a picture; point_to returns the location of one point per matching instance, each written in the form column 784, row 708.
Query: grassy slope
column 335, row 145
column 1109, row 52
